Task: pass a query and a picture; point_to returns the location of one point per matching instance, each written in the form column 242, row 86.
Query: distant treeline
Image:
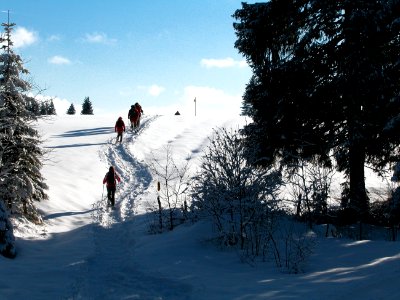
column 41, row 108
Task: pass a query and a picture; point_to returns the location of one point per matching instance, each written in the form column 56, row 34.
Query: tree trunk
column 358, row 193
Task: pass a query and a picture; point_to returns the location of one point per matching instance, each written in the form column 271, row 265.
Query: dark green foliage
column 87, row 108
column 325, row 85
column 71, row 110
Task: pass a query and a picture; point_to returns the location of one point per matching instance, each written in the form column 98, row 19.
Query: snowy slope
column 86, row 252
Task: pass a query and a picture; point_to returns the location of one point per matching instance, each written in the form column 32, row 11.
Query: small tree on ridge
column 87, row 108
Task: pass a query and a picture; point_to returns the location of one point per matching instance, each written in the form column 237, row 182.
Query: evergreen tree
column 71, row 110
column 87, row 107
column 325, row 81
column 33, row 106
column 21, row 183
column 51, row 108
column 44, row 108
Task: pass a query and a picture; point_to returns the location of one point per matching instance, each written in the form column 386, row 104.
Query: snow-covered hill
column 86, row 252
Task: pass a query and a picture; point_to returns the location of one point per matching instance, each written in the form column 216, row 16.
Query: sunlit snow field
column 84, row 251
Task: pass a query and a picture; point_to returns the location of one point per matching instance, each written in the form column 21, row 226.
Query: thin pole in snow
column 195, row 106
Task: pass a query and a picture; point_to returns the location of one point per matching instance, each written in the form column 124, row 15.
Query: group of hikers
column 134, row 114
column 111, row 177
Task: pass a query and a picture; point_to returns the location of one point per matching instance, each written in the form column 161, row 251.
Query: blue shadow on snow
column 75, row 145
column 86, row 132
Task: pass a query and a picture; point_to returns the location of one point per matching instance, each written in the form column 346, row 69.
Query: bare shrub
column 310, row 187
column 240, row 198
column 173, row 187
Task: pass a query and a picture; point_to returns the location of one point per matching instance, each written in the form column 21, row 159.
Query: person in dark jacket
column 110, row 180
column 119, row 129
column 140, row 111
column 133, row 116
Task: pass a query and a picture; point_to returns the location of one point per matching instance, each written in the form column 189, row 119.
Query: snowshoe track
column 135, row 178
column 105, row 262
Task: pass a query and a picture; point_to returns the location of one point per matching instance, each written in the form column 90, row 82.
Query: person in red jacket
column 120, row 129
column 111, row 179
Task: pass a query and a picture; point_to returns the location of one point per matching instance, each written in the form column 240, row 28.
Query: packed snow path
column 102, row 275
column 135, row 178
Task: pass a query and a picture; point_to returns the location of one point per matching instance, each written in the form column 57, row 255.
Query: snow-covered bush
column 241, row 199
column 385, row 210
column 393, row 209
column 292, row 245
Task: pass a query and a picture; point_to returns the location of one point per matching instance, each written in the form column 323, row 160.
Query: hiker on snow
column 119, row 128
column 111, row 179
column 140, row 111
column 134, row 115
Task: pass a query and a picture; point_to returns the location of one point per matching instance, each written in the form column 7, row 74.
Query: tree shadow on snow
column 76, row 145
column 64, row 214
column 86, row 132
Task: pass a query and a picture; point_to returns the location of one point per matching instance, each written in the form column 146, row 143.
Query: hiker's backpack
column 133, row 113
column 110, row 178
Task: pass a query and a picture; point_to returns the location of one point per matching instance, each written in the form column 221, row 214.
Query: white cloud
column 54, row 37
column 155, row 90
column 126, row 92
column 62, row 105
column 99, row 38
column 22, row 37
column 223, row 63
column 209, row 101
column 59, row 60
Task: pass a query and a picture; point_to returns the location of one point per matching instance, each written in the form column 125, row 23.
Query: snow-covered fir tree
column 21, row 182
column 71, row 110
column 87, row 108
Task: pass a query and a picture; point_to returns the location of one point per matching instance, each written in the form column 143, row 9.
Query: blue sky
column 159, row 53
